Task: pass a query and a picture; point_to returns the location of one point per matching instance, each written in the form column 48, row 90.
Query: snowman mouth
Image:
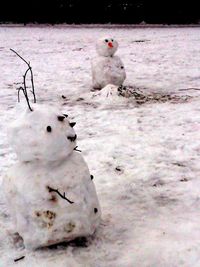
column 72, row 138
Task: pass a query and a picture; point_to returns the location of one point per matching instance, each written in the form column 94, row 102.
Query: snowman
column 107, row 68
column 49, row 192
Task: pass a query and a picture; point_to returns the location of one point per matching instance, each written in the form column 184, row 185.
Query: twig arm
column 62, row 196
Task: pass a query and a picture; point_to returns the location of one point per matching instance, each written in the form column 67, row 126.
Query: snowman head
column 106, row 47
column 44, row 134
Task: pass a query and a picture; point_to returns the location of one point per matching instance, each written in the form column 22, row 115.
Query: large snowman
column 106, row 67
column 49, row 191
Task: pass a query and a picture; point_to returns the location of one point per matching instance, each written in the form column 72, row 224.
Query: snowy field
column 144, row 157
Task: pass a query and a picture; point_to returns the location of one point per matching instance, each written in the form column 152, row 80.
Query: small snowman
column 106, row 67
column 49, row 192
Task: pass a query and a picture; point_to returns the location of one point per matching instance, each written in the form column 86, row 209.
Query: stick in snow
column 62, row 196
column 21, row 258
column 24, row 82
column 77, row 149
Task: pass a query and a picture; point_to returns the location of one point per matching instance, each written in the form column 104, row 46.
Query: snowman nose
column 110, row 45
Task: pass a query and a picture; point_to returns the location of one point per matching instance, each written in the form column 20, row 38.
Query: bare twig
column 21, row 258
column 24, row 81
column 19, row 89
column 25, row 95
column 62, row 196
column 187, row 89
column 19, row 56
column 33, row 87
column 77, row 149
column 24, row 78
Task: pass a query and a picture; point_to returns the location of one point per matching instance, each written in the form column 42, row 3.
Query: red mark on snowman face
column 110, row 45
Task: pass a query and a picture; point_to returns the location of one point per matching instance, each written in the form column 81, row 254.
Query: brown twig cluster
column 24, row 88
column 142, row 98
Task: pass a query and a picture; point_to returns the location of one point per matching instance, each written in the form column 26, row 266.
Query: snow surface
column 144, row 158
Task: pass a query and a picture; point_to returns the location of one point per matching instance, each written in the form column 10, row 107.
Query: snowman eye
column 95, row 210
column 61, row 118
column 112, row 40
column 122, row 67
column 106, row 40
column 49, row 129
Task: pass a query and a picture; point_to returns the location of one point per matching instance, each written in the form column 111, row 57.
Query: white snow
column 144, row 158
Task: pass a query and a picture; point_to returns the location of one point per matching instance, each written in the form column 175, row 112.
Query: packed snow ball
column 106, row 47
column 44, row 134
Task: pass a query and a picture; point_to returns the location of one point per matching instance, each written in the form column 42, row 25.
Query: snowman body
column 107, row 68
column 49, row 192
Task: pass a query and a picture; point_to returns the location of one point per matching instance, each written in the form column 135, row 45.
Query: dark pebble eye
column 122, row 67
column 92, row 177
column 49, row 129
column 112, row 40
column 65, row 115
column 72, row 124
column 95, row 210
column 61, row 118
column 106, row 40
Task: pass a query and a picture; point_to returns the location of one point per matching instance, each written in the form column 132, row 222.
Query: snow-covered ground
column 144, row 158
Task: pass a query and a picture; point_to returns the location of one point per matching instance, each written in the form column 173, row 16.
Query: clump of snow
column 108, row 91
column 107, row 68
column 108, row 97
